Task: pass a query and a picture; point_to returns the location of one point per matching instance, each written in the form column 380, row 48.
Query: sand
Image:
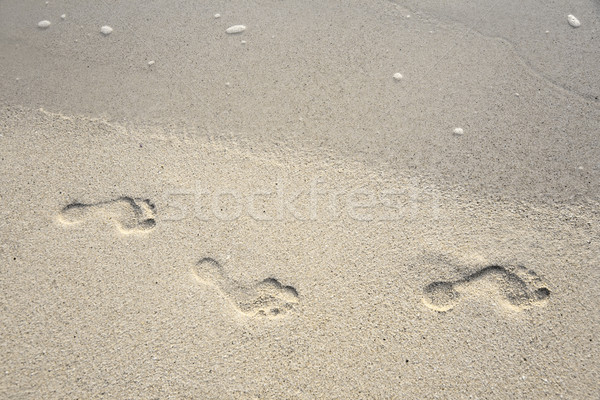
column 188, row 216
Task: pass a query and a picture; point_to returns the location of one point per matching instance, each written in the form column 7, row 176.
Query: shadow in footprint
column 266, row 298
column 517, row 288
column 131, row 215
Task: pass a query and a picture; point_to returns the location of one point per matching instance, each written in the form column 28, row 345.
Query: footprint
column 129, row 214
column 267, row 298
column 515, row 287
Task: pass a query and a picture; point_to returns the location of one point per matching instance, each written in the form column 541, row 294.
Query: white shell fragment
column 106, row 30
column 397, row 76
column 151, row 63
column 573, row 21
column 458, row 131
column 63, row 16
column 236, row 29
column 217, row 15
column 44, row 24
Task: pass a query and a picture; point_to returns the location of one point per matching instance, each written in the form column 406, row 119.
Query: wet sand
column 285, row 217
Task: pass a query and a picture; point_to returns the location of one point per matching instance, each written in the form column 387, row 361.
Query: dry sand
column 284, row 218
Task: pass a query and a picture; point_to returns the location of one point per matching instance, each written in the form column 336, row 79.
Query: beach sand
column 188, row 213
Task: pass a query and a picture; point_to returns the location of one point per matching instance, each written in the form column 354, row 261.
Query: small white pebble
column 517, row 94
column 573, row 21
column 47, row 2
column 398, row 76
column 458, row 131
column 18, row 79
column 106, row 30
column 227, row 84
column 408, row 16
column 580, row 168
column 217, row 15
column 63, row 16
column 44, row 24
column 151, row 62
column 236, row 29
column 243, row 42
column 547, row 31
